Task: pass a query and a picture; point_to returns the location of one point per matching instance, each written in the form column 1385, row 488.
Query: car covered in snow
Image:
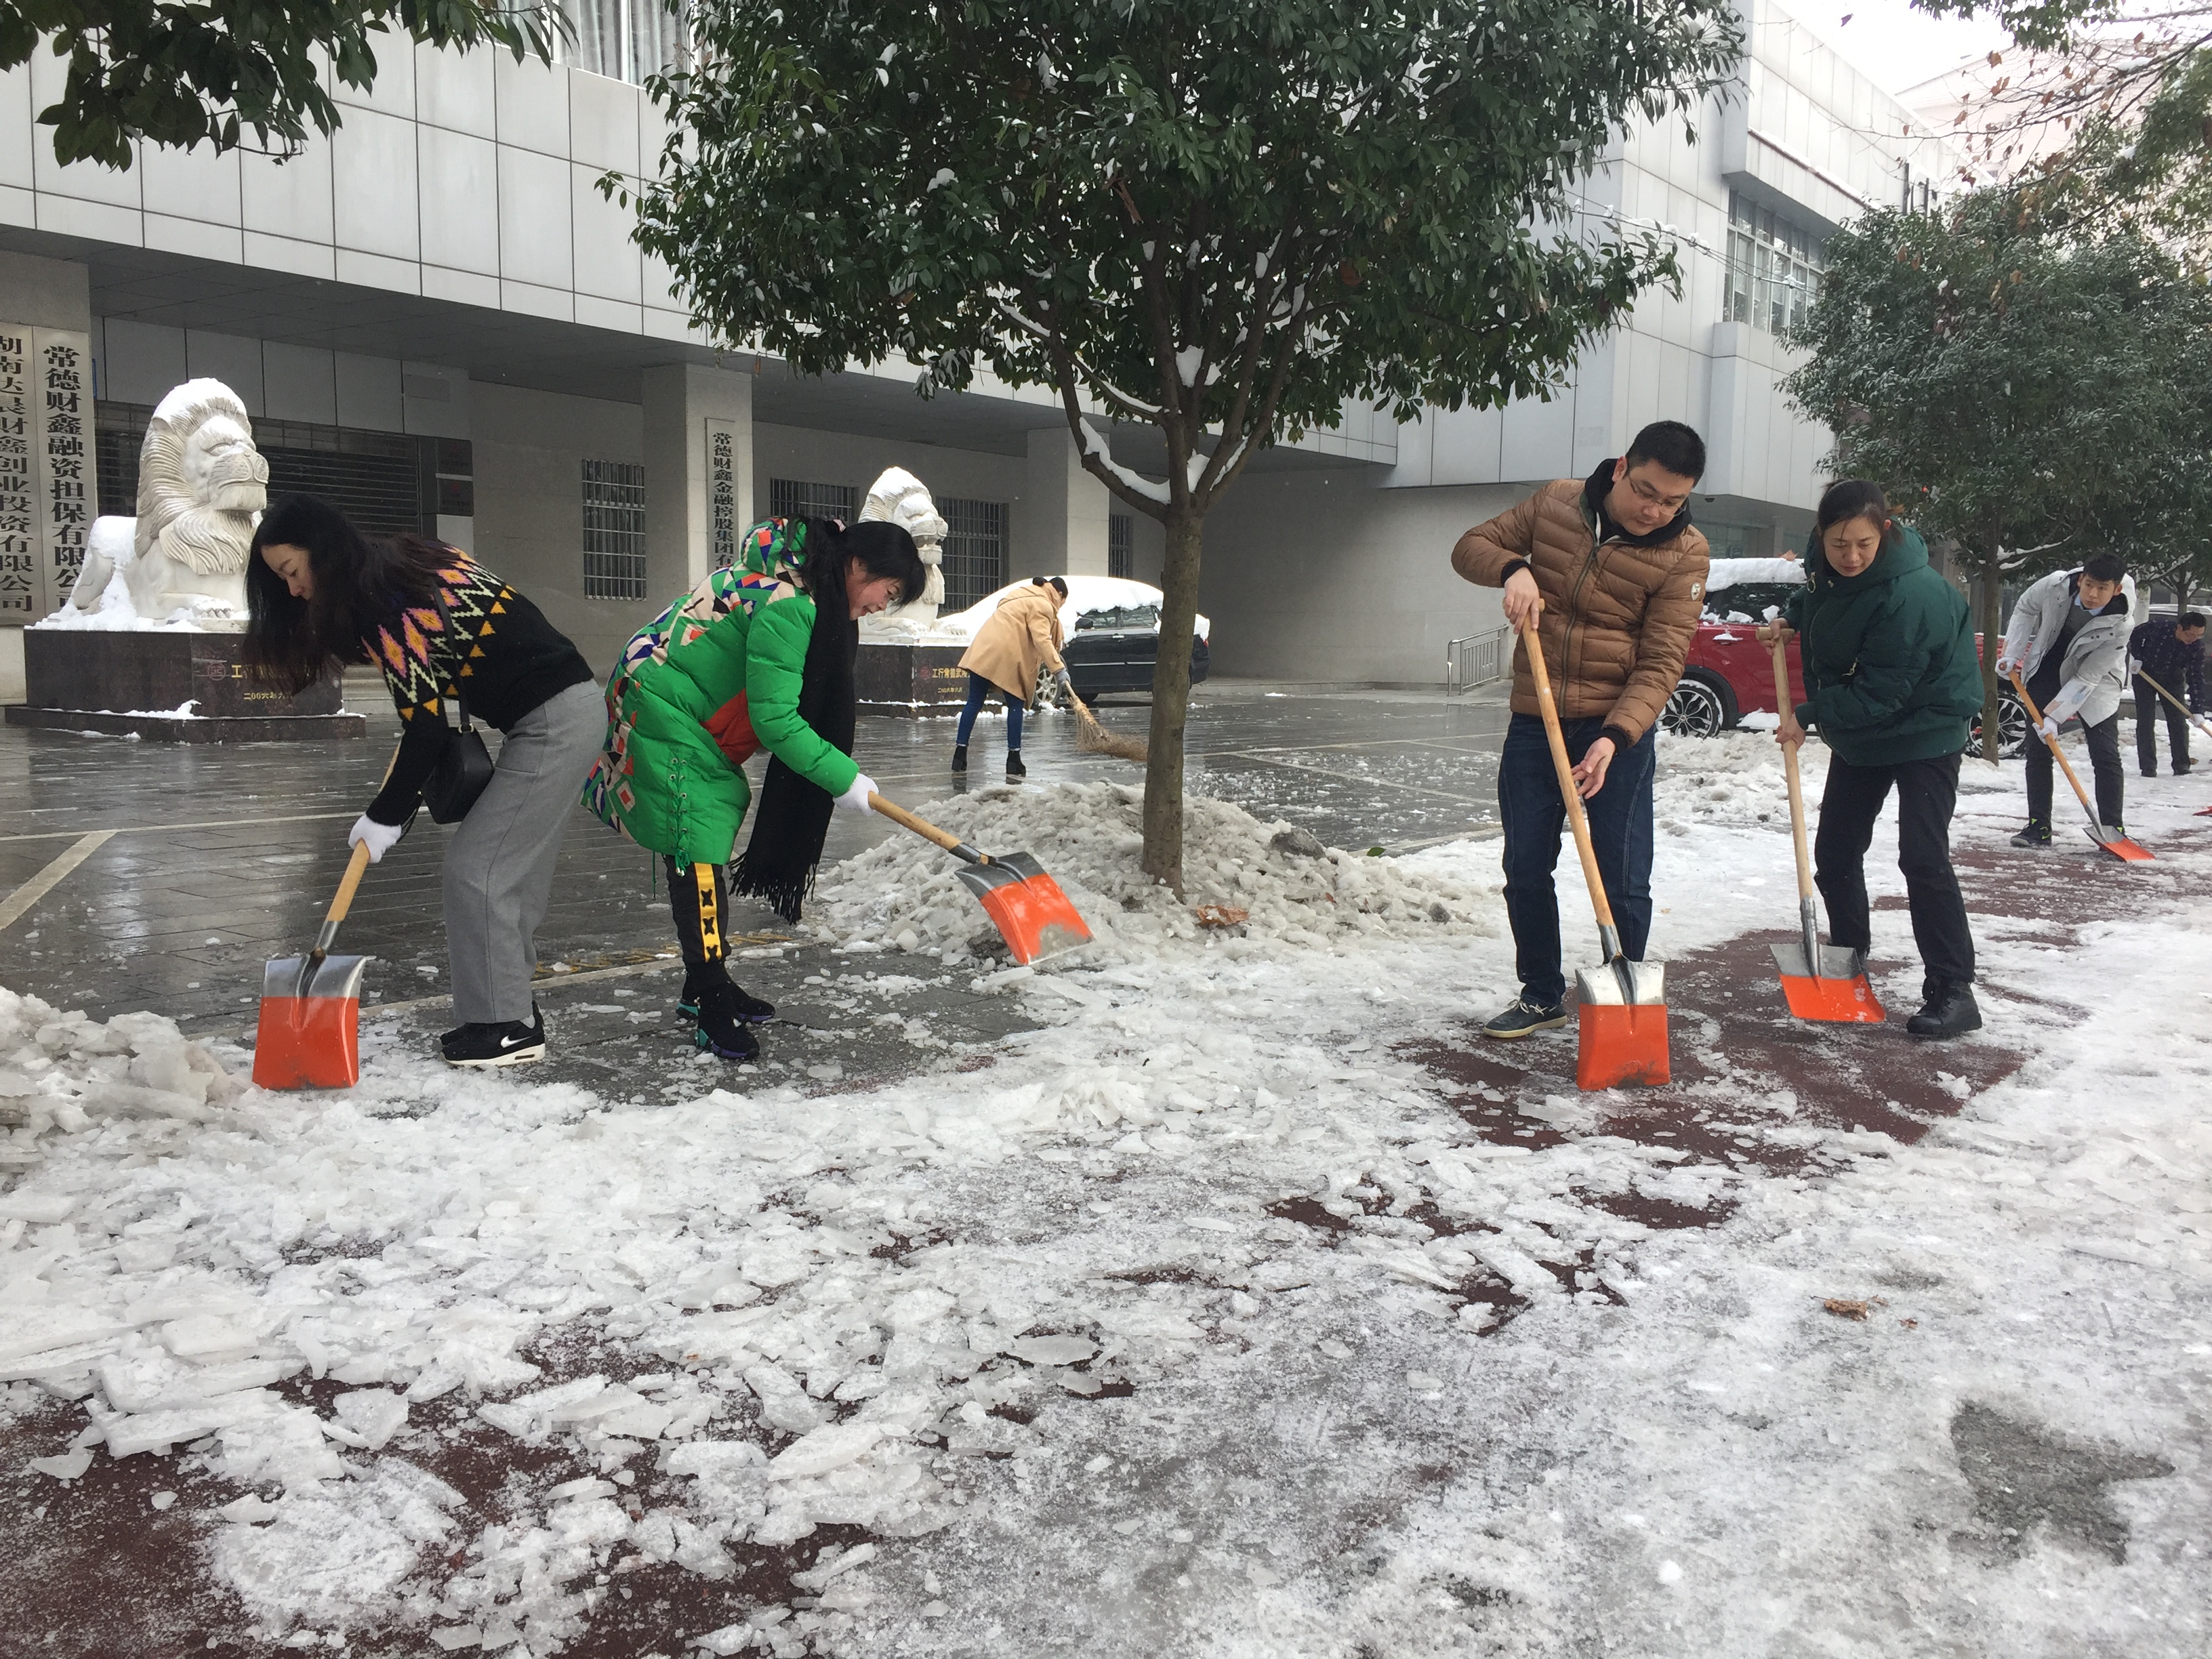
column 1729, row 673
column 1113, row 628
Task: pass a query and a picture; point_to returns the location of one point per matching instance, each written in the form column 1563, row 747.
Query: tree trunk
column 1163, row 856
column 1990, row 601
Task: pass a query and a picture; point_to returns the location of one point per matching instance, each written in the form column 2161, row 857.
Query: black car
column 1116, row 650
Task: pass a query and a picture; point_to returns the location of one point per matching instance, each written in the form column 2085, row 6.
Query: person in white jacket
column 2069, row 639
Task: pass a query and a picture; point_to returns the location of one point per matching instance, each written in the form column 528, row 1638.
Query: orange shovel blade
column 1034, row 917
column 1845, row 1000
column 308, row 1042
column 1622, row 1043
column 2121, row 847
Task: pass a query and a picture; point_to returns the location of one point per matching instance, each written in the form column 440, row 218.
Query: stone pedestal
column 121, row 683
column 910, row 679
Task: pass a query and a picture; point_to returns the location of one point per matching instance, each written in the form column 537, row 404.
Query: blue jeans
column 1535, row 818
column 978, row 689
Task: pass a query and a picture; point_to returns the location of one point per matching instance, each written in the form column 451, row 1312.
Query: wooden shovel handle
column 1566, row 771
column 2191, row 714
column 922, row 827
column 349, row 884
column 2051, row 743
column 1789, row 768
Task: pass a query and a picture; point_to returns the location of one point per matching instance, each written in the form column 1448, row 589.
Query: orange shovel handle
column 1566, row 768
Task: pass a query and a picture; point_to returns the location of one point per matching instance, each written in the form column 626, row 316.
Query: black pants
column 1927, row 791
column 700, row 901
column 2103, row 757
column 2148, row 706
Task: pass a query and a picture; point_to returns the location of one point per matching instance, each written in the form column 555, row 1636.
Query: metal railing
column 1475, row 660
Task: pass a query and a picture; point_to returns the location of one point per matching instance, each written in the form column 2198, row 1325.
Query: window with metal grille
column 1120, row 545
column 790, row 498
column 385, row 481
column 614, row 530
column 974, row 550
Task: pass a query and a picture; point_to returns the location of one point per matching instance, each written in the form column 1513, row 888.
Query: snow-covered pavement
column 1248, row 1306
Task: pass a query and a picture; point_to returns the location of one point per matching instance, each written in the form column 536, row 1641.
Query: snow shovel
column 310, row 1032
column 2194, row 719
column 1032, row 914
column 1818, row 981
column 2118, row 846
column 1621, row 1027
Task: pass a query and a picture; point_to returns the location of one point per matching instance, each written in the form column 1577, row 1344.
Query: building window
column 624, row 39
column 1774, row 268
column 974, row 551
column 1121, row 548
column 789, row 498
column 614, row 530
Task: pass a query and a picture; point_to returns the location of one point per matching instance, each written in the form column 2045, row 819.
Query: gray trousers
column 499, row 869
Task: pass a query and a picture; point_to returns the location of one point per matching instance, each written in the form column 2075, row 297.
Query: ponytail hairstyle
column 1060, row 583
column 360, row 585
column 1849, row 499
column 879, row 547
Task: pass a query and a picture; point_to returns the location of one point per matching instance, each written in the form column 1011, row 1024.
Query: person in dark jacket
column 1892, row 677
column 2170, row 650
column 447, row 633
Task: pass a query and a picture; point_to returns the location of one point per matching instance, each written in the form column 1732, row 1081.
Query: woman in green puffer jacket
column 757, row 656
column 1892, row 677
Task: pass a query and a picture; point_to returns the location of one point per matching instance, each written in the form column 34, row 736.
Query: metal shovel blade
column 309, row 1035
column 2119, row 846
column 1035, row 918
column 1621, row 1026
column 1834, row 989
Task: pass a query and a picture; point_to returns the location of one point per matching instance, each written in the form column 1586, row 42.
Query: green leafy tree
column 1220, row 218
column 2030, row 396
column 217, row 73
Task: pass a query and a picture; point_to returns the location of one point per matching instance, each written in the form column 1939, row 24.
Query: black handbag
column 462, row 772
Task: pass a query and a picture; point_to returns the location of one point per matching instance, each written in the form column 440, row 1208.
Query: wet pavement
column 195, row 863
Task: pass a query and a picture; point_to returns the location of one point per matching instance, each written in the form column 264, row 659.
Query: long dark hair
column 359, row 585
column 879, row 547
column 1848, row 499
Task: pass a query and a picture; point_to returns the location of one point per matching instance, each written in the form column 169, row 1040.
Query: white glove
column 378, row 838
column 2005, row 666
column 855, row 800
column 2050, row 727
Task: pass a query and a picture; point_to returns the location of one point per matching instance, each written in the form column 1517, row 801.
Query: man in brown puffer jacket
column 1615, row 574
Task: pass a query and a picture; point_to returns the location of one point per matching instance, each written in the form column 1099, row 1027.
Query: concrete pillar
column 1059, row 527
column 698, row 466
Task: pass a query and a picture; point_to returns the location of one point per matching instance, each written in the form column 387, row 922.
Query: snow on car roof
column 1085, row 593
column 1730, row 572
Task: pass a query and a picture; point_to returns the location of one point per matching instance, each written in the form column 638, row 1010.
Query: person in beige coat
column 1022, row 636
column 1613, row 575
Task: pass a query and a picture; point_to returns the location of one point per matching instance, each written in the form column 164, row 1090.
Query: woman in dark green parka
column 1892, row 677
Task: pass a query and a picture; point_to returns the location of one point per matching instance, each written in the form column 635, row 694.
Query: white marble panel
column 192, row 236
column 557, row 303
column 96, row 221
column 266, row 252
column 144, row 361
column 662, row 325
column 460, row 200
column 234, row 360
column 290, row 199
column 532, row 104
column 534, row 194
column 454, row 89
column 369, row 395
column 466, row 287
column 19, row 135
column 608, row 266
column 659, row 284
column 298, row 383
column 392, row 90
column 86, row 181
column 373, row 177
column 192, row 184
column 625, row 317
column 374, row 270
column 603, row 123
column 18, row 207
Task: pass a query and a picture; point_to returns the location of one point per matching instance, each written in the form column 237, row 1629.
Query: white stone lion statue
column 202, row 488
column 898, row 497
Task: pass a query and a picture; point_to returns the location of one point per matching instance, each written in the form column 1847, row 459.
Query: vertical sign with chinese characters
column 722, row 525
column 69, row 495
column 20, row 560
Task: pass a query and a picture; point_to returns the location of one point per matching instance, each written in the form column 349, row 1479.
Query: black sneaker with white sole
column 509, row 1042
column 1522, row 1016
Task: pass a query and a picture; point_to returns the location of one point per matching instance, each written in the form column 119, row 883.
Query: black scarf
column 778, row 863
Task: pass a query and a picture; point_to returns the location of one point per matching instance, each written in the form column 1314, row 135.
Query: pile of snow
column 68, row 1071
column 1730, row 572
column 905, row 894
column 1735, row 778
column 1086, row 594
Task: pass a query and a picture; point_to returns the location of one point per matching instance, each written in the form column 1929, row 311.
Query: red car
column 1729, row 673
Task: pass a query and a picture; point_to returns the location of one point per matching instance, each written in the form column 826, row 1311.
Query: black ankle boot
column 722, row 1029
column 960, row 757
column 750, row 1008
column 1014, row 767
column 1951, row 1011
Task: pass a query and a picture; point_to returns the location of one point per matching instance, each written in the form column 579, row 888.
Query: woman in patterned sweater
column 449, row 636
column 758, row 656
